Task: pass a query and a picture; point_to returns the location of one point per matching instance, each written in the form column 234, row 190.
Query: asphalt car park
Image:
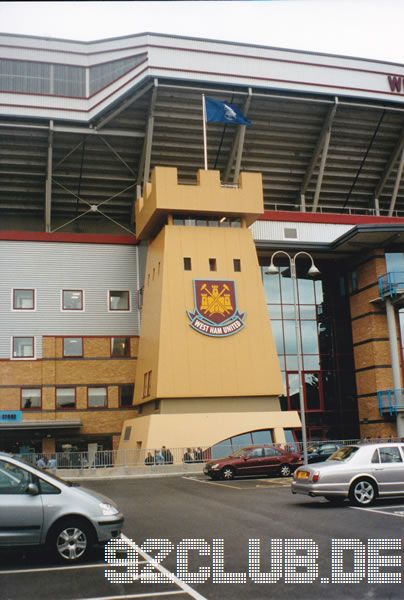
column 226, row 515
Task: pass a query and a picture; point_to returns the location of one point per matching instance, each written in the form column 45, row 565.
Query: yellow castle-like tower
column 207, row 365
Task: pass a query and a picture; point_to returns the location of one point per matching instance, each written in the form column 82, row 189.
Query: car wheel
column 285, row 471
column 71, row 540
column 227, row 473
column 363, row 492
column 337, row 500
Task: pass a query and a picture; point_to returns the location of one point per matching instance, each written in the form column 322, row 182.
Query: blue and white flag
column 223, row 112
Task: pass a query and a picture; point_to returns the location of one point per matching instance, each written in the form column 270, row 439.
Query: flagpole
column 205, row 149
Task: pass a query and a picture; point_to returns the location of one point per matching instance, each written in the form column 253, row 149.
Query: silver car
column 38, row 508
column 359, row 472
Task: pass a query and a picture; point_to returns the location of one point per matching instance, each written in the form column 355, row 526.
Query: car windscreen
column 344, row 453
column 47, row 473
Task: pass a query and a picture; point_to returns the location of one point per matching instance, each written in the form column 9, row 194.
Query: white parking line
column 65, row 568
column 233, row 487
column 170, row 576
column 399, row 514
column 384, row 507
column 145, row 595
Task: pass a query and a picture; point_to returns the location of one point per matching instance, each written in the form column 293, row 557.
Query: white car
column 361, row 473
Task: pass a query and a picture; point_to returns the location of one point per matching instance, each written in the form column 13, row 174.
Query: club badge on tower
column 215, row 312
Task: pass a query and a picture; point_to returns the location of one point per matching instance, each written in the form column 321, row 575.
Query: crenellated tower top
column 207, row 198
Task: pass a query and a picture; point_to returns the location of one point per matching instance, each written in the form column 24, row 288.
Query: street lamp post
column 273, row 270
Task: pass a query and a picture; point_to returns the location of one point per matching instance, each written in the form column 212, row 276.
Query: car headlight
column 108, row 510
column 215, row 466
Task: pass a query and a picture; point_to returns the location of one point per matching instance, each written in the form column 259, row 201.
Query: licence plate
column 303, row 475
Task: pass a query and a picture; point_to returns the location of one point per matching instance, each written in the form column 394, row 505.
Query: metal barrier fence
column 162, row 456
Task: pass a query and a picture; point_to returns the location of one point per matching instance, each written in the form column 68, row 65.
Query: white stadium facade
column 83, row 125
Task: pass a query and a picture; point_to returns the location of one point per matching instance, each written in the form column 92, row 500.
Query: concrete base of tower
column 181, row 423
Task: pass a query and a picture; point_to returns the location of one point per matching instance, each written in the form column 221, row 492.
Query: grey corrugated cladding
column 51, row 267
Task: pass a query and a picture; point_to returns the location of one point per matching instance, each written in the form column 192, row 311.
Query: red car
column 254, row 460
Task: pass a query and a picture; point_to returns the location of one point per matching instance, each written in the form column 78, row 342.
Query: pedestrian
column 52, row 463
column 158, row 457
column 41, row 462
column 167, row 455
column 188, row 456
column 149, row 460
column 198, row 455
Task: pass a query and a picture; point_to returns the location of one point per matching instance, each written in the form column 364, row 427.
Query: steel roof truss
column 238, row 144
column 390, row 164
column 320, row 148
column 123, row 106
column 93, row 208
column 48, row 183
column 396, row 184
column 118, row 156
column 145, row 158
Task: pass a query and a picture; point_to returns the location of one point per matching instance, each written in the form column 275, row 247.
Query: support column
column 395, row 361
column 48, row 185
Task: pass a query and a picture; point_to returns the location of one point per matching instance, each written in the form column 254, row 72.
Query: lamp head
column 272, row 270
column 313, row 271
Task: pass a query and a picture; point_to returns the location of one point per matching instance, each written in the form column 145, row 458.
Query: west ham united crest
column 215, row 311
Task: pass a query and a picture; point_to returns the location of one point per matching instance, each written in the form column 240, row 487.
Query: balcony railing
column 390, row 401
column 391, row 284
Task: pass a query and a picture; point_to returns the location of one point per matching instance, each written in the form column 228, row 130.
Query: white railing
column 162, row 457
column 329, row 208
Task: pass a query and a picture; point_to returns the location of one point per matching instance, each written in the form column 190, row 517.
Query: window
column 120, row 346
column 72, row 346
column 31, row 397
column 268, row 452
column 146, row 384
column 375, row 457
column 212, row 264
column 66, row 397
column 23, row 300
column 140, row 298
column 119, row 300
column 390, row 455
column 23, row 347
column 256, row 453
column 42, row 78
column 105, row 73
column 13, row 479
column 48, row 488
column 187, row 264
column 128, row 431
column 126, row 395
column 97, row 397
column 354, row 281
column 72, row 300
column 237, row 265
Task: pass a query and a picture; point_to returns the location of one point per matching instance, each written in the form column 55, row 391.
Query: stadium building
column 116, row 245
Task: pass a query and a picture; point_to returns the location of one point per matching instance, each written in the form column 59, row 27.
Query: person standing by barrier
column 167, row 455
column 188, row 456
column 149, row 460
column 52, row 463
column 158, row 457
column 198, row 455
column 41, row 463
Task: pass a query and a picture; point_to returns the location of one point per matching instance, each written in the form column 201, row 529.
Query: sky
column 360, row 28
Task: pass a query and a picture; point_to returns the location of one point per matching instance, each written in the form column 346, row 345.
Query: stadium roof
column 82, row 124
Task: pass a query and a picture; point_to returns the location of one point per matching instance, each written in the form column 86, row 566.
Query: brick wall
column 95, row 368
column 371, row 344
